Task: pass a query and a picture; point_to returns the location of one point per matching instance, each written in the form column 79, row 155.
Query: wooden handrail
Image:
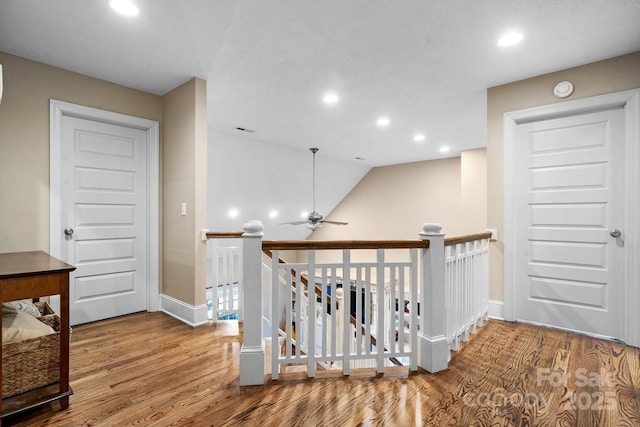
column 268, row 245
column 224, row 234
column 343, row 244
column 450, row 241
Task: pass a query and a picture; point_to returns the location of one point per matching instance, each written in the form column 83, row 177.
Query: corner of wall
column 184, row 166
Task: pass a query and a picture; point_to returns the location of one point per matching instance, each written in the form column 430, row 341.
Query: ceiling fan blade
column 335, row 222
column 304, row 221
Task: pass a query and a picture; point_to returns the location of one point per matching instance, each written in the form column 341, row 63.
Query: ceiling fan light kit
column 314, row 220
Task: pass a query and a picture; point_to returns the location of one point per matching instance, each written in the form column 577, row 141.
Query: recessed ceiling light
column 330, row 98
column 418, row 137
column 124, row 7
column 273, row 213
column 233, row 213
column 383, row 121
column 444, row 149
column 509, row 39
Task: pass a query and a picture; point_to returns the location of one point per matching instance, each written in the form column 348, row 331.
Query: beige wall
column 473, row 191
column 184, row 177
column 24, row 140
column 612, row 75
column 24, row 161
column 392, row 202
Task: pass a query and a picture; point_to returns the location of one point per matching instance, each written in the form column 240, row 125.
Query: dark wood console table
column 32, row 275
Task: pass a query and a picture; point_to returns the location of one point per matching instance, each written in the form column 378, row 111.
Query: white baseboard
column 187, row 313
column 496, row 309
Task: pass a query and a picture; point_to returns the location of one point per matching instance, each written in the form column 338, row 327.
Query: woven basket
column 32, row 363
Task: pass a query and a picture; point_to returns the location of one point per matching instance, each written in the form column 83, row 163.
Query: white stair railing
column 320, row 328
column 467, row 287
column 332, row 327
column 224, row 276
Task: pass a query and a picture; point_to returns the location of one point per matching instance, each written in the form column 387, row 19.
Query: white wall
column 255, row 178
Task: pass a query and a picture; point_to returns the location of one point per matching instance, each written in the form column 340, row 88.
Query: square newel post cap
column 431, row 229
column 253, row 228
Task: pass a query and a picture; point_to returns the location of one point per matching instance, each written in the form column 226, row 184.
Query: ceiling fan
column 314, row 220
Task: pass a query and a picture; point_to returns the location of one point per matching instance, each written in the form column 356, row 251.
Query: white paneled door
column 569, row 206
column 104, row 210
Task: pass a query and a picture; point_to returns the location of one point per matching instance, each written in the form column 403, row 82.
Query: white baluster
column 275, row 314
column 339, row 315
column 345, row 309
column 370, row 307
column 311, row 349
column 392, row 314
column 240, row 289
column 414, row 310
column 381, row 307
column 291, row 302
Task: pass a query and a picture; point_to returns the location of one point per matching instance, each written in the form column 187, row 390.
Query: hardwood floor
column 150, row 369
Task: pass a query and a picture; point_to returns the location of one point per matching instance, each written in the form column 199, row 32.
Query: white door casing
column 112, row 209
column 574, row 242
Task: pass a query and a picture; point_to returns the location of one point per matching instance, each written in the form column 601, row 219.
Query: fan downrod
column 314, row 220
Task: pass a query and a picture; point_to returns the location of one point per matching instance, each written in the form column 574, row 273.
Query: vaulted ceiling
column 425, row 64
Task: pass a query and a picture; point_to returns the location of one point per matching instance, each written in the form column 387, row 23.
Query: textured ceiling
column 424, row 63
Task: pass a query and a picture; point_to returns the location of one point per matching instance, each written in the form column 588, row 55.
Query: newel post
column 252, row 351
column 433, row 349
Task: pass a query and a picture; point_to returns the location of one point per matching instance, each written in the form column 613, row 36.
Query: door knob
column 68, row 233
column 615, row 233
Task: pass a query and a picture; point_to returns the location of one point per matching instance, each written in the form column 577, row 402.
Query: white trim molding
column 630, row 101
column 1, row 84
column 58, row 109
column 496, row 309
column 187, row 313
